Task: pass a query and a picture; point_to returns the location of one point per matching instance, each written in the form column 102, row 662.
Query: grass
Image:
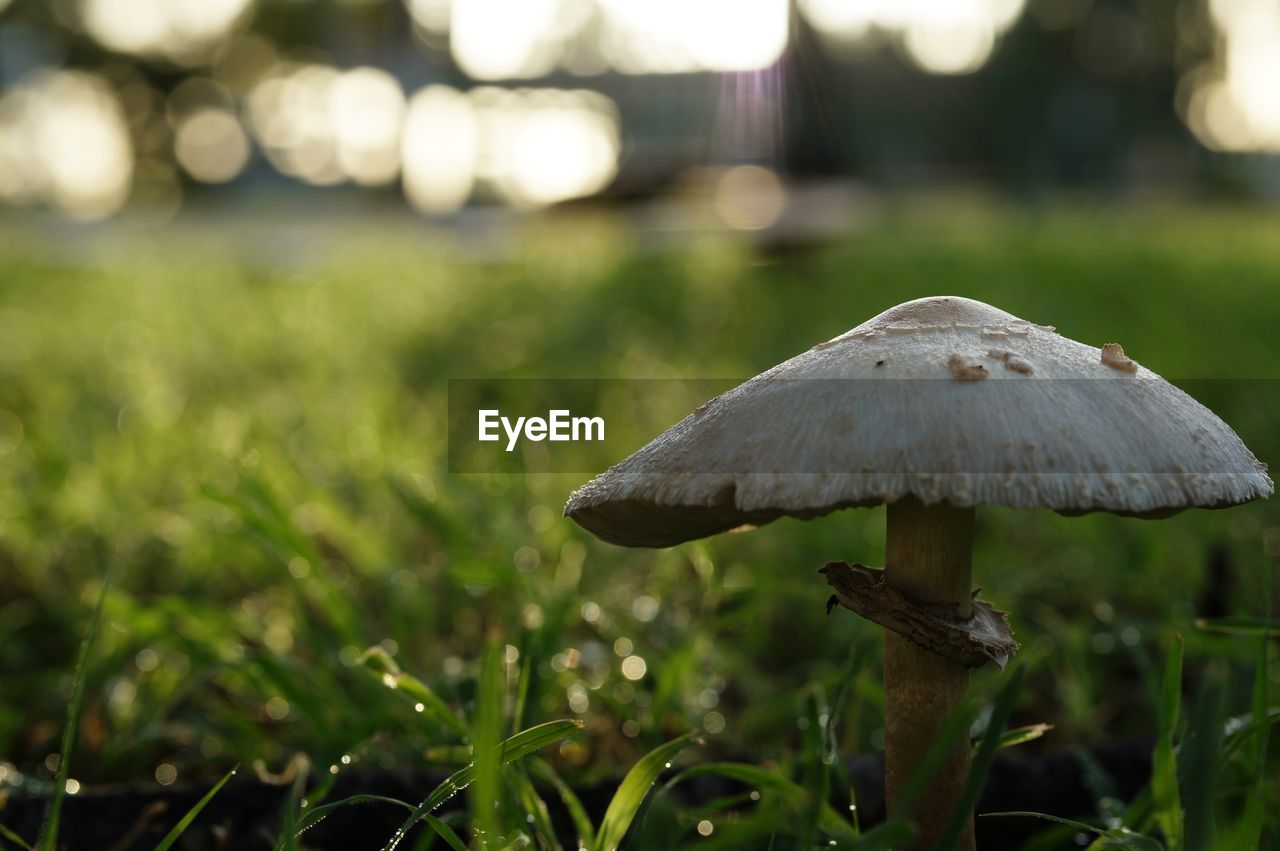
column 256, row 438
column 48, row 839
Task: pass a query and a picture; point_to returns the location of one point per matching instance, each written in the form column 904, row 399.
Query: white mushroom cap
column 944, row 399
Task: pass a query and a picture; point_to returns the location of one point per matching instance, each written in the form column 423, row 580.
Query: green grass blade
column 1140, row 813
column 486, row 733
column 1252, row 823
column 633, row 791
column 844, row 693
column 289, row 832
column 535, row 809
column 522, row 686
column 1265, row 627
column 264, row 515
column 817, row 775
column 1117, row 838
column 428, row 514
column 577, row 812
column 795, row 795
column 185, row 822
column 1078, row 825
column 314, row 816
column 891, row 834
column 1100, row 786
column 1164, row 777
column 1020, row 735
column 982, row 758
column 1147, row 671
column 378, row 662
column 1200, row 761
column 1260, row 702
column 14, row 838
column 1134, row 841
column 1240, row 736
column 1246, row 833
column 515, row 748
column 445, row 832
column 49, row 830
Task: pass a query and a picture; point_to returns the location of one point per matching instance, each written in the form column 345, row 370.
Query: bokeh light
column 529, row 147
column 1233, row 104
column 366, row 111
column 179, row 30
column 236, row 90
column 538, row 147
column 326, row 126
column 290, row 115
column 521, row 39
column 505, row 39
column 439, row 150
column 954, row 44
column 431, row 15
column 692, row 35
column 939, row 36
column 211, row 146
column 749, row 197
column 64, row 141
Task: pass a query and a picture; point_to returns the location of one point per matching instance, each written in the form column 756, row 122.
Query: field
column 246, row 433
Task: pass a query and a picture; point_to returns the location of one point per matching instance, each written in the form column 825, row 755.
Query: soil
column 245, row 815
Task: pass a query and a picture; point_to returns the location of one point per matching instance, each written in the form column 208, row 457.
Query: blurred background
column 147, row 107
column 244, row 245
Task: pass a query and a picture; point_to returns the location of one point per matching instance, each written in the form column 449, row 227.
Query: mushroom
column 933, row 408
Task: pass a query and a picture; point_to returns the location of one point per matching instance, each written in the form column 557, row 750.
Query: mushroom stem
column 928, row 557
